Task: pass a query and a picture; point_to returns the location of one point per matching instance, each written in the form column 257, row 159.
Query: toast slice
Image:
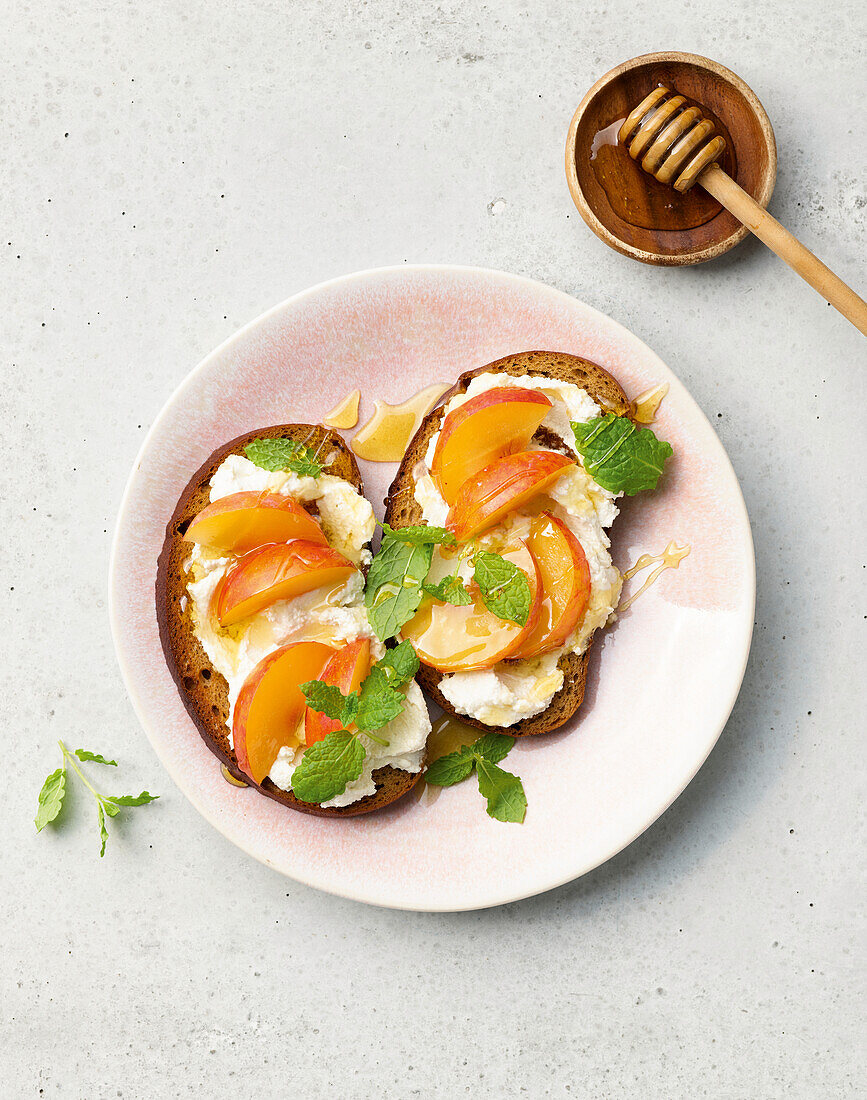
column 402, row 510
column 203, row 690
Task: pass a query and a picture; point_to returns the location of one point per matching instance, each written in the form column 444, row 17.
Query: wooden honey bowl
column 636, row 214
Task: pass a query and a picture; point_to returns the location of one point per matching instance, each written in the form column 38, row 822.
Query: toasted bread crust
column 402, row 510
column 203, row 690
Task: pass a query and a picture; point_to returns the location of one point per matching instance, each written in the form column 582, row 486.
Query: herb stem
column 373, row 737
column 70, row 758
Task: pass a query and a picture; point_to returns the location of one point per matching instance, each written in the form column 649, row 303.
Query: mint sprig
column 504, row 587
column 422, row 535
column 325, row 698
column 397, row 573
column 83, row 754
column 283, row 454
column 379, row 700
column 54, row 790
column 398, row 665
column 51, row 798
column 504, row 792
column 450, row 589
column 619, row 456
column 328, row 766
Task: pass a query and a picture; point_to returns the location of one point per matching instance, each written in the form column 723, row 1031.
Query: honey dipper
column 677, row 145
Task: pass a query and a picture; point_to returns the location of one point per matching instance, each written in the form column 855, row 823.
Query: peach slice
column 500, row 488
column 346, row 670
column 275, row 572
column 456, row 639
column 494, row 423
column 565, row 584
column 270, row 706
column 241, row 522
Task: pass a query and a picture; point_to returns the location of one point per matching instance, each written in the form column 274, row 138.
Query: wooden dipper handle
column 676, row 145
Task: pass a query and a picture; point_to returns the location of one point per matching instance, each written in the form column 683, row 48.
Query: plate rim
column 127, row 673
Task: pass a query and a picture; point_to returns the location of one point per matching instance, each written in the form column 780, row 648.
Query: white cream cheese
column 333, row 616
column 514, row 690
column 506, row 693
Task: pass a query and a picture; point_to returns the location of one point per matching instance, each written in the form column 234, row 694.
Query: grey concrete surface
column 169, row 171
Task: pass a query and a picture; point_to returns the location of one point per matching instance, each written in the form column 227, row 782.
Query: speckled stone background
column 169, row 171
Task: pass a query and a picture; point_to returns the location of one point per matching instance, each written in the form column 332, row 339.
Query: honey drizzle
column 646, row 405
column 345, row 413
column 384, row 438
column 227, row 775
column 670, row 558
column 448, row 734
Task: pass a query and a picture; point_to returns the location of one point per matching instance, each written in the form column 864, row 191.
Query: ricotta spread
column 514, row 690
column 333, row 616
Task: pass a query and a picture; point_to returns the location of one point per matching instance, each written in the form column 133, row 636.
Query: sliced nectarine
column 565, row 584
column 275, row 572
column 241, row 522
column 346, row 670
column 501, row 487
column 270, row 706
column 454, row 638
column 497, row 422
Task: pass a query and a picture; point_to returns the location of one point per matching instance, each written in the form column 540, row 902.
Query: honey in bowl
column 642, row 201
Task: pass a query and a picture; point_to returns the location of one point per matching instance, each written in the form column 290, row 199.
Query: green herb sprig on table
column 54, row 790
column 504, row 791
column 330, row 764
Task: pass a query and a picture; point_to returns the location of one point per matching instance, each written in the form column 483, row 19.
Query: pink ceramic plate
column 663, row 679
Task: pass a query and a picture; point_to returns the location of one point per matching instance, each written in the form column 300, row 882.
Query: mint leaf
column 381, row 698
column 83, row 754
column 326, row 698
column 394, row 582
column 283, row 454
column 305, row 465
column 449, row 590
column 51, row 798
column 397, row 573
column 54, row 788
column 420, row 536
column 350, row 709
column 619, row 456
column 504, row 587
column 328, row 766
column 399, row 664
column 378, row 701
column 504, row 792
column 450, row 769
column 134, row 799
column 103, row 832
column 493, row 747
